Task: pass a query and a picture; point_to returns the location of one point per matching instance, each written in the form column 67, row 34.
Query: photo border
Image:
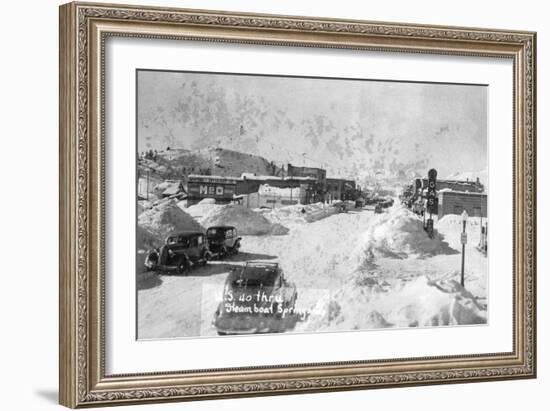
column 280, row 76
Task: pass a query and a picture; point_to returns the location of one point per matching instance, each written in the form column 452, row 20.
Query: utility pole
column 481, row 214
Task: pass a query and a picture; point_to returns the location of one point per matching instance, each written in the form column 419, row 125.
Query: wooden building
column 335, row 188
column 340, row 189
column 221, row 189
column 455, row 202
column 454, row 185
column 273, row 197
column 250, row 184
column 319, row 188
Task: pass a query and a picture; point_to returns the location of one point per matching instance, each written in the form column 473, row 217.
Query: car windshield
column 181, row 240
column 255, row 278
column 213, row 232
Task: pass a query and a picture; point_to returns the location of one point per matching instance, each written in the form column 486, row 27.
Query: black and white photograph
column 282, row 204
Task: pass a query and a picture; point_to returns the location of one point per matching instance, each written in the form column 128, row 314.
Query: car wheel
column 221, row 333
column 276, row 312
column 223, row 253
column 182, row 266
column 205, row 258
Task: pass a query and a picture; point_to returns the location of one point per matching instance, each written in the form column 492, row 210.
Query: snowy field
column 353, row 271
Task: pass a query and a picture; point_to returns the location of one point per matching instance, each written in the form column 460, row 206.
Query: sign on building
column 221, row 189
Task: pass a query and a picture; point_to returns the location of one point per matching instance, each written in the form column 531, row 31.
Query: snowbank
column 144, row 205
column 400, row 234
column 146, row 240
column 165, row 218
column 201, row 209
column 419, row 303
column 451, row 226
column 299, row 214
column 453, row 222
column 247, row 221
column 163, row 186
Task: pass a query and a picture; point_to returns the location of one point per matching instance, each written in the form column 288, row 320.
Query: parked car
column 180, row 252
column 378, row 209
column 340, row 206
column 256, row 299
column 223, row 240
column 386, row 202
column 359, row 202
column 371, row 200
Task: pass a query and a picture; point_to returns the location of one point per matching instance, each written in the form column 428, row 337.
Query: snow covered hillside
column 174, row 163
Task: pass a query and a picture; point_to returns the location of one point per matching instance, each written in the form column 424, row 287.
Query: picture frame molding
column 84, row 28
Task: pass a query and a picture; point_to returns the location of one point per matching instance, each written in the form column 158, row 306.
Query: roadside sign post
column 431, row 203
column 463, row 240
column 430, row 227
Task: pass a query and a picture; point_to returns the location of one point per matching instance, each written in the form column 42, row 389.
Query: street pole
column 147, row 196
column 463, row 241
column 424, row 219
column 463, row 252
column 481, row 215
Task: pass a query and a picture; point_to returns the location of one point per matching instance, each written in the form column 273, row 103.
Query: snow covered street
column 347, row 273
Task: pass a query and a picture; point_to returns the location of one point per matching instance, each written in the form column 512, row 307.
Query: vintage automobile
column 257, row 298
column 371, row 200
column 386, row 202
column 223, row 240
column 340, row 206
column 180, row 252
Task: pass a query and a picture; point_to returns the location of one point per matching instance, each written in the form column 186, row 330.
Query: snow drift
column 164, row 219
column 419, row 303
column 247, row 221
column 201, row 209
column 451, row 226
column 299, row 213
column 452, row 223
column 400, row 234
column 146, row 240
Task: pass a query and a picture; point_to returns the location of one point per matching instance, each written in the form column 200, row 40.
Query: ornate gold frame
column 83, row 30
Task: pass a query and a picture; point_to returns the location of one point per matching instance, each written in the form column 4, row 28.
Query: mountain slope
column 176, row 163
